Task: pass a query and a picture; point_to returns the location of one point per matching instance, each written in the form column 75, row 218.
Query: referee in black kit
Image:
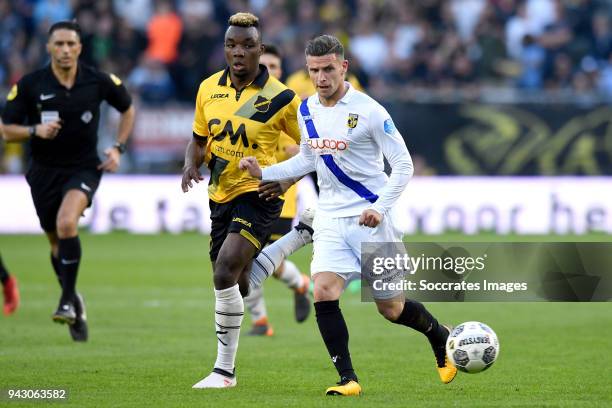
column 57, row 108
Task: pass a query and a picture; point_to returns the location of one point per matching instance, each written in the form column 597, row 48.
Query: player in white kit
column 344, row 136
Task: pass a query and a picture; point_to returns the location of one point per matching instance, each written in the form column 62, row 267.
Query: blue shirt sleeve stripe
column 354, row 185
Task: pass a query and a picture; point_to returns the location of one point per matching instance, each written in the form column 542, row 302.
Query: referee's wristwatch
column 121, row 147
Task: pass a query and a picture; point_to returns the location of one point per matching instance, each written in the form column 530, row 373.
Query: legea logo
column 327, row 145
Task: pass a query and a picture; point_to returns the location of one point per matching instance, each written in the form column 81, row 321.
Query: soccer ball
column 472, row 347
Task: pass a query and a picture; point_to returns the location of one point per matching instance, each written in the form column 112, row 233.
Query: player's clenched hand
column 190, row 174
column 48, row 130
column 113, row 159
column 272, row 189
column 251, row 165
column 370, row 218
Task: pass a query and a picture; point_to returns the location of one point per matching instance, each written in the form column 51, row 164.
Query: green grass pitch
column 150, row 305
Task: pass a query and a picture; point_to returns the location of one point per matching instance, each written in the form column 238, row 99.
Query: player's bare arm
column 194, row 157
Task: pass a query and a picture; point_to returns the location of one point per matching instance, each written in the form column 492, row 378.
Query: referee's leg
column 54, row 241
column 73, row 204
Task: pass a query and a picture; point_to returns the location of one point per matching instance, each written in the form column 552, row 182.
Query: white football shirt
column 353, row 137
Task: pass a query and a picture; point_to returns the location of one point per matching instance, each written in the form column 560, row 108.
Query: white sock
column 229, row 310
column 273, row 255
column 256, row 304
column 292, row 275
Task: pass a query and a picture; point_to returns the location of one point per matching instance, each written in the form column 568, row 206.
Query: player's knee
column 390, row 310
column 223, row 280
column 227, row 271
column 324, row 292
column 230, row 264
column 66, row 226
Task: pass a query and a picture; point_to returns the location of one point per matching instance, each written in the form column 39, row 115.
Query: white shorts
column 337, row 243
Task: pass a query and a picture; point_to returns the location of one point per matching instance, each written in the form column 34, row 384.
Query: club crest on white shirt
column 353, row 118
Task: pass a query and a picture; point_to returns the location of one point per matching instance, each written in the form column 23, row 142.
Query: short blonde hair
column 244, row 20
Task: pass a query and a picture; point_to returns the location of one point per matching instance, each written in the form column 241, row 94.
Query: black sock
column 335, row 335
column 414, row 315
column 69, row 255
column 4, row 275
column 56, row 268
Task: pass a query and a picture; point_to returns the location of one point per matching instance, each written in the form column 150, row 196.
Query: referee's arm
column 19, row 133
column 116, row 94
column 126, row 124
column 113, row 153
column 14, row 115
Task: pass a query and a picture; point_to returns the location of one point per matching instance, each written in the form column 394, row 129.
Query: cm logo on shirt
column 228, row 130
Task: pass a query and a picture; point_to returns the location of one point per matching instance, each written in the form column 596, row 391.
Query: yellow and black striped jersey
column 239, row 124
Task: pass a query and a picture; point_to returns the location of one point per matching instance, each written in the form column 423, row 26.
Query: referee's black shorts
column 247, row 215
column 48, row 186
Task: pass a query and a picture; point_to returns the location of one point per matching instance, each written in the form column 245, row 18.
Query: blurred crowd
column 164, row 48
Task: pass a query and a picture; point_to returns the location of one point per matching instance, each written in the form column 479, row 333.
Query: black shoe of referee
column 65, row 313
column 78, row 330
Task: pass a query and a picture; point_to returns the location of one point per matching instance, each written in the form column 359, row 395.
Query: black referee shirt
column 39, row 96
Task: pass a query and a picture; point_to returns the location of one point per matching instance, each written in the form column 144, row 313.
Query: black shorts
column 280, row 228
column 48, row 186
column 247, row 215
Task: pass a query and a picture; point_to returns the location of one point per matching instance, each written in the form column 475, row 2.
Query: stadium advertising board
column 505, row 205
column 510, row 139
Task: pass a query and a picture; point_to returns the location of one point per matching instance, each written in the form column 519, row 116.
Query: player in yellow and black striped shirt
column 240, row 112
